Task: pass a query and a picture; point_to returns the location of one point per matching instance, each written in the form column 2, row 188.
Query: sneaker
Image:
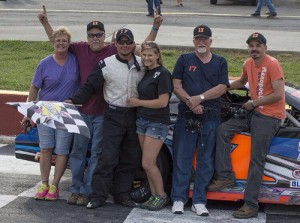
column 52, row 194
column 245, row 212
column 94, row 204
column 150, row 15
column 41, row 192
column 199, row 209
column 146, row 204
column 271, row 16
column 218, row 185
column 177, row 207
column 129, row 203
column 255, row 14
column 82, row 200
column 158, row 203
column 73, row 199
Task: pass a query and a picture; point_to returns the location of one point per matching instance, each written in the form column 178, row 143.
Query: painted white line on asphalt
column 5, row 199
column 165, row 216
column 1, row 145
column 63, row 194
column 135, row 12
column 10, row 164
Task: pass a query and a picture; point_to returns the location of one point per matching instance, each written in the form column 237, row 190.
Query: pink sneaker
column 42, row 192
column 52, row 194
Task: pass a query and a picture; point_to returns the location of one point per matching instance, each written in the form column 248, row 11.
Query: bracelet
column 155, row 29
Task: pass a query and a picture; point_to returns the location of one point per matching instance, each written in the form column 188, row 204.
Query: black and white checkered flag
column 56, row 115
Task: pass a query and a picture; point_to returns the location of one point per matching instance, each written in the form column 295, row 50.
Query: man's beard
column 125, row 54
column 201, row 50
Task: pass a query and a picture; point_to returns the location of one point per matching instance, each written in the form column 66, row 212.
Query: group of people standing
column 125, row 102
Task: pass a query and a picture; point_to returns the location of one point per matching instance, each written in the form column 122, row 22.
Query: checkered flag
column 56, row 115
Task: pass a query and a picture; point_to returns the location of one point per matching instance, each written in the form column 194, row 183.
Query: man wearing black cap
column 200, row 78
column 118, row 76
column 266, row 109
column 88, row 55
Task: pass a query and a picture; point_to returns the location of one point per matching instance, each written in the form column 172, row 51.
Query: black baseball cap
column 95, row 24
column 202, row 30
column 257, row 36
column 125, row 32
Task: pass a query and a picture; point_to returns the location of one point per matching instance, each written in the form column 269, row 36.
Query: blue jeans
column 184, row 144
column 58, row 139
column 82, row 175
column 152, row 129
column 150, row 6
column 268, row 4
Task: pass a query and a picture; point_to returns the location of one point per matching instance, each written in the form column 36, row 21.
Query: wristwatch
column 202, row 97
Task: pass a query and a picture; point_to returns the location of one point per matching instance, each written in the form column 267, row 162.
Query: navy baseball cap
column 125, row 32
column 202, row 30
column 95, row 24
column 257, row 36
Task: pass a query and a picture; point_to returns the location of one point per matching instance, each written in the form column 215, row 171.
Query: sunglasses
column 150, row 44
column 122, row 42
column 97, row 35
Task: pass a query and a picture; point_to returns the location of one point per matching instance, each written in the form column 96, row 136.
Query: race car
column 281, row 180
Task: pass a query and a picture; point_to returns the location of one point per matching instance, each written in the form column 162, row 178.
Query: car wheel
column 213, row 2
column 141, row 189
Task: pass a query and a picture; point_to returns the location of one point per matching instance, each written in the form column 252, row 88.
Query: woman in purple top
column 56, row 78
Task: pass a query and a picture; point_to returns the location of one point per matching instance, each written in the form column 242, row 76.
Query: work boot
column 245, row 212
column 73, row 199
column 218, row 185
column 82, row 200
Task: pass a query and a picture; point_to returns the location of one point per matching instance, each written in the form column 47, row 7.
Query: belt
column 121, row 109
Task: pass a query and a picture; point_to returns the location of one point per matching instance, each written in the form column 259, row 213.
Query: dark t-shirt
column 87, row 60
column 198, row 77
column 155, row 82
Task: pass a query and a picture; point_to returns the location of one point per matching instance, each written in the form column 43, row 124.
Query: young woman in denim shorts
column 153, row 119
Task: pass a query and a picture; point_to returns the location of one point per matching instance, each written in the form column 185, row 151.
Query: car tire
column 213, row 2
column 141, row 190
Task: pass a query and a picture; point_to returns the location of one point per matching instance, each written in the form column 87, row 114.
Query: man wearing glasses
column 200, row 78
column 88, row 55
column 118, row 76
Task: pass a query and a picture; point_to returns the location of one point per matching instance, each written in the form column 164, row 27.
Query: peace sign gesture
column 43, row 15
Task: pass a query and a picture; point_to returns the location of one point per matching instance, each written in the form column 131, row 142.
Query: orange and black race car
column 281, row 180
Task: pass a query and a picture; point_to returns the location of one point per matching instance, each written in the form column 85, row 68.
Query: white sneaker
column 177, row 207
column 200, row 209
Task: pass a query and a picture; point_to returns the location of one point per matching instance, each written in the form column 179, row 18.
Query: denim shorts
column 55, row 138
column 152, row 129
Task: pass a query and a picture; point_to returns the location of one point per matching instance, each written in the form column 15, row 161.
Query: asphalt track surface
column 20, row 179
